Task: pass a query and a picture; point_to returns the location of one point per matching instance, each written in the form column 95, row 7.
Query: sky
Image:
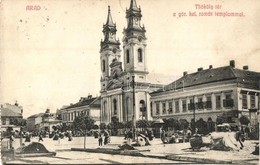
column 50, row 57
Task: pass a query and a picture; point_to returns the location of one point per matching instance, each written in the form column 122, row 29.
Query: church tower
column 109, row 49
column 134, row 44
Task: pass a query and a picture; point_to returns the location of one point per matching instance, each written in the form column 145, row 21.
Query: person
column 40, row 137
column 239, row 137
column 28, row 138
column 125, row 133
column 247, row 131
column 106, row 140
column 11, row 140
column 100, row 140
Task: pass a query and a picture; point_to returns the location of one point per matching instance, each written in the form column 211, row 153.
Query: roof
column 244, row 78
column 9, row 113
column 95, row 101
column 36, row 115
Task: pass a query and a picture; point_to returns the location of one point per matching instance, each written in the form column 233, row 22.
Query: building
column 42, row 122
column 86, row 106
column 124, row 85
column 33, row 122
column 212, row 92
column 9, row 113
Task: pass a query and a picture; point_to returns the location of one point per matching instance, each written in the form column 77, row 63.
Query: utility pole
column 133, row 118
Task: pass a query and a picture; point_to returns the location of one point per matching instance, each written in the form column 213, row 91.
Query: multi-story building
column 9, row 113
column 125, row 90
column 33, row 122
column 86, row 106
column 42, row 122
column 224, row 91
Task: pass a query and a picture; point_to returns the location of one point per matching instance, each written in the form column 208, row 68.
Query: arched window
column 115, row 106
column 103, row 65
column 127, row 56
column 140, row 55
column 142, row 108
column 104, row 108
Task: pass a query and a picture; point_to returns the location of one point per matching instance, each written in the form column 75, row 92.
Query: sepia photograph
column 129, row 81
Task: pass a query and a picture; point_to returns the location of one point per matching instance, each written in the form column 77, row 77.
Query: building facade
column 86, row 106
column 33, row 122
column 124, row 85
column 9, row 113
column 224, row 91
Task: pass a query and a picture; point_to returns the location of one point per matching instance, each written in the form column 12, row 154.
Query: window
column 127, row 56
column 228, row 102
column 177, row 109
column 164, row 108
column 104, row 108
column 115, row 106
column 170, row 107
column 191, row 105
column 142, row 108
column 140, row 55
column 200, row 103
column 103, row 65
column 184, row 106
column 218, row 103
column 208, row 102
column 151, row 106
column 244, row 101
column 252, row 101
column 157, row 108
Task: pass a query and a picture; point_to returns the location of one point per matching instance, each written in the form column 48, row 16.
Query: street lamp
column 194, row 108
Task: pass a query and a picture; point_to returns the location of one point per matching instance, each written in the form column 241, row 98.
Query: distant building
column 48, row 121
column 33, row 122
column 212, row 92
column 86, row 106
column 42, row 121
column 9, row 113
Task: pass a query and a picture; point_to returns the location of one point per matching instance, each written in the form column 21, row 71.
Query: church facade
column 124, row 87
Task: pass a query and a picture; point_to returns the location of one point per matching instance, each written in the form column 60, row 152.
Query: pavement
column 181, row 152
column 177, row 151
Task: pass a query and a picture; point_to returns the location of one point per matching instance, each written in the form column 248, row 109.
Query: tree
column 103, row 126
column 84, row 123
column 143, row 124
column 22, row 123
column 184, row 124
column 202, row 126
column 172, row 123
column 244, row 120
column 220, row 120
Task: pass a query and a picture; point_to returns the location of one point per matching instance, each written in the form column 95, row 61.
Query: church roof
column 133, row 5
column 109, row 18
column 244, row 78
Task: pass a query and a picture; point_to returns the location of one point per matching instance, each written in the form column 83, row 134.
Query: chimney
column 210, row 66
column 200, row 69
column 232, row 63
column 185, row 73
column 89, row 96
column 245, row 67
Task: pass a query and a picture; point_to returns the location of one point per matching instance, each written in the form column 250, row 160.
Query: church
column 124, row 79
